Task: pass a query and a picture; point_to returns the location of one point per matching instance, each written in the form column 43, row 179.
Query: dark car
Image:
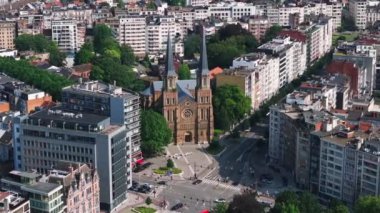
column 134, row 183
column 142, row 190
column 196, row 182
column 140, row 168
column 177, row 206
column 235, row 183
column 161, row 182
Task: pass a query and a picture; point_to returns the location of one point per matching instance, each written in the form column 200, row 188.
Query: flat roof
column 41, row 187
column 59, row 114
column 24, row 174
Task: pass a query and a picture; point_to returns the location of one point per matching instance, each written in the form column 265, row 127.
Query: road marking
column 208, row 159
column 184, row 157
column 210, row 172
column 216, row 183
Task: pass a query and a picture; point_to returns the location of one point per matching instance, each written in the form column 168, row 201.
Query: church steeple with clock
column 186, row 104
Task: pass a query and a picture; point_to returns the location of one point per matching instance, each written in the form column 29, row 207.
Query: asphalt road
column 194, row 197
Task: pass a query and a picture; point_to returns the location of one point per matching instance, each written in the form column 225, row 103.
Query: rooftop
column 59, row 114
column 42, row 187
column 29, row 175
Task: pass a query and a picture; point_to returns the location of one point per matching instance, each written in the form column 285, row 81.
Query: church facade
column 185, row 104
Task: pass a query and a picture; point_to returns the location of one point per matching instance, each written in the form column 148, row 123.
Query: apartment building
column 7, row 34
column 80, row 186
column 43, row 139
column 43, row 196
column 258, row 25
column 81, row 15
column 373, row 15
column 11, row 202
column 266, row 70
column 232, row 10
column 120, row 105
column 68, row 34
column 284, row 49
column 358, row 9
column 198, row 3
column 132, row 32
column 245, row 79
column 22, row 97
column 149, row 34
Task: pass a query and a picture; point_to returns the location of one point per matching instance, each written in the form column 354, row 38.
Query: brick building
column 186, row 104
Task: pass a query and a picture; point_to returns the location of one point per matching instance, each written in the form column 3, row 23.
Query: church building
column 186, row 104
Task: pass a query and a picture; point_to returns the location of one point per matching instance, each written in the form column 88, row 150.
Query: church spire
column 169, row 69
column 203, row 65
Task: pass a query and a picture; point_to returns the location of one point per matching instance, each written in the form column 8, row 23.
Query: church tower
column 169, row 93
column 205, row 114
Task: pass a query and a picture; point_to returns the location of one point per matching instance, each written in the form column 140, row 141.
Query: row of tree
column 112, row 62
column 44, row 80
column 291, row 202
column 228, row 43
column 40, row 44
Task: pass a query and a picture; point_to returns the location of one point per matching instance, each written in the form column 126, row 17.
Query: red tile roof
column 367, row 41
column 294, row 35
column 348, row 69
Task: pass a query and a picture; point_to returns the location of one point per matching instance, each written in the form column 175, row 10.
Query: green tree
column 41, row 79
column 170, row 163
column 289, row 208
column 151, row 5
column 97, row 73
column 308, row 203
column 222, row 54
column 155, row 133
column 348, row 23
column 102, row 37
column 337, row 207
column 148, row 201
column 368, row 204
column 231, row 30
column 184, row 72
column 271, row 33
column 127, row 57
column 56, row 57
column 232, row 98
column 37, row 43
column 120, row 4
column 192, row 45
column 245, row 203
column 220, row 208
column 176, row 2
column 85, row 54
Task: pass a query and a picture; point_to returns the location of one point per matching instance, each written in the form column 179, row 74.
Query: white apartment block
column 280, row 15
column 81, row 15
column 358, row 9
column 232, row 10
column 132, row 32
column 266, row 69
column 201, row 13
column 68, row 34
column 150, row 36
column 282, row 48
column 198, row 3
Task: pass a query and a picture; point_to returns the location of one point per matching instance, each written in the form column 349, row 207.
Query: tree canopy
column 271, row 33
column 176, row 2
column 229, row 42
column 103, row 39
column 184, row 72
column 245, row 203
column 85, row 54
column 40, row 44
column 230, row 105
column 368, row 204
column 43, row 80
column 155, row 133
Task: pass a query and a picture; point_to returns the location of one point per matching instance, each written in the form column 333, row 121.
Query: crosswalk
column 213, row 180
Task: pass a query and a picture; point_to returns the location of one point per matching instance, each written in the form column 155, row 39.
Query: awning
column 205, row 211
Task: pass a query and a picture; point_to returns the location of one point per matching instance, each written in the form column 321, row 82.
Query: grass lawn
column 142, row 209
column 350, row 36
column 164, row 170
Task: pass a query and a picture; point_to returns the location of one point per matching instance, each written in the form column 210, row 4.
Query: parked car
column 196, row 182
column 220, row 200
column 161, row 182
column 235, row 183
column 177, row 206
column 140, row 168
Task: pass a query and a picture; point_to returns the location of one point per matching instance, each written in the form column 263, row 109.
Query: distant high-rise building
column 68, row 34
column 7, row 34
